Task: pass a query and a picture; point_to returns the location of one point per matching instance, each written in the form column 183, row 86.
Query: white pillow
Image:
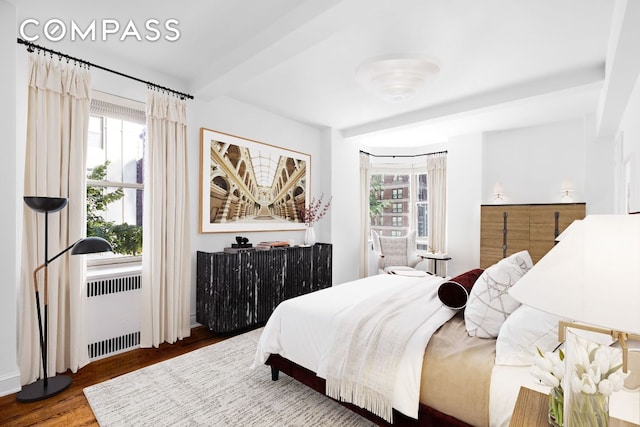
column 489, row 303
column 524, row 331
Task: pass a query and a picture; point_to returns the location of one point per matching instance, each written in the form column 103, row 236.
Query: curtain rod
column 403, row 155
column 32, row 46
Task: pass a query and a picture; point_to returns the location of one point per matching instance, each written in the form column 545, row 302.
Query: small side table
column 532, row 409
column 435, row 258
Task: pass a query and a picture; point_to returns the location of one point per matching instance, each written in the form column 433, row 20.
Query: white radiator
column 113, row 312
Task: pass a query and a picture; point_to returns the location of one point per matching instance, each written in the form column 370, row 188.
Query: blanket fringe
column 362, row 396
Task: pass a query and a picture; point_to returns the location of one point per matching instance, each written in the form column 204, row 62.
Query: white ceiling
column 504, row 63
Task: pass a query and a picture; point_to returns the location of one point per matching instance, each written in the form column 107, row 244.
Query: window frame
column 126, row 104
column 395, row 170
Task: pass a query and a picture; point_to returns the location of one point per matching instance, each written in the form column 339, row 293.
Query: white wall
column 599, row 171
column 10, row 231
column 629, row 136
column 236, row 118
column 532, row 164
column 345, row 224
column 464, row 169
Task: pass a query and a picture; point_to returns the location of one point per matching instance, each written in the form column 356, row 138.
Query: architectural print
column 250, row 186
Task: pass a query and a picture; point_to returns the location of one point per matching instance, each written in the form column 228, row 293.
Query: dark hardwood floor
column 70, row 408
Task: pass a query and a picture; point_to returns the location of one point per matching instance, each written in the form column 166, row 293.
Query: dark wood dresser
column 241, row 290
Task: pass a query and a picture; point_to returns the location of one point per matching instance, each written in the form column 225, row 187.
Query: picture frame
column 248, row 185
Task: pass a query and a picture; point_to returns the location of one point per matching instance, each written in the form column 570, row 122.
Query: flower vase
column 591, row 370
column 556, row 403
column 588, row 410
column 310, row 237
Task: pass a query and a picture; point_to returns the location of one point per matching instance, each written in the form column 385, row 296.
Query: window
column 389, row 217
column 404, row 208
column 114, row 180
column 422, row 204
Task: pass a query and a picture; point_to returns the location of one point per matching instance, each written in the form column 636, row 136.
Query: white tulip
column 602, row 358
column 594, row 373
column 558, row 371
column 605, row 387
column 545, row 377
column 617, row 380
column 587, row 385
column 544, row 363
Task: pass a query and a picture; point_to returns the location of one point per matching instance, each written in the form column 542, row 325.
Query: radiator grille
column 114, row 345
column 113, row 285
column 113, row 314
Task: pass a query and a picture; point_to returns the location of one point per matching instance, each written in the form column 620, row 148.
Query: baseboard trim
column 10, row 383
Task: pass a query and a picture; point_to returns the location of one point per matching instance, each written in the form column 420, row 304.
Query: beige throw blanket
column 369, row 340
column 456, row 373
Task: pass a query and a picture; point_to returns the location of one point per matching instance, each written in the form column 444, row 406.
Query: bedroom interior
column 534, row 103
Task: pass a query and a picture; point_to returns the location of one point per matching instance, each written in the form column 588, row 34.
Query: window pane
column 114, row 212
column 422, row 187
column 389, row 204
column 119, row 221
column 422, row 222
column 95, row 133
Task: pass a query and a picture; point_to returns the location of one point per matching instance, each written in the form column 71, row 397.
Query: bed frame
column 426, row 417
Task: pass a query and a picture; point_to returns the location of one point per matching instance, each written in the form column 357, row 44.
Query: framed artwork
column 247, row 185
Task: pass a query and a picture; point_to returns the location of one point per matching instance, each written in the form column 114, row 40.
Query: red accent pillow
column 455, row 292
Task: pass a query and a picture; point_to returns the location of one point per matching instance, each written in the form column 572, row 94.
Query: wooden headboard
column 507, row 229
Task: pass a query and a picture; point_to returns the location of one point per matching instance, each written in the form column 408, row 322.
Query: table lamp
column 47, row 387
column 591, row 279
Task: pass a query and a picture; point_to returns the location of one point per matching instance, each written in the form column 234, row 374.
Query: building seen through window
column 398, row 203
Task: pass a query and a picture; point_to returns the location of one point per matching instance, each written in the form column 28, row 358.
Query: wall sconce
column 498, row 192
column 566, row 187
column 566, row 197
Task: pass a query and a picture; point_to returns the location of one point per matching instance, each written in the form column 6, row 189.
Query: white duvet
column 300, row 330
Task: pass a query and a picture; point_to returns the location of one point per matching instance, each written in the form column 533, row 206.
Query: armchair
column 396, row 253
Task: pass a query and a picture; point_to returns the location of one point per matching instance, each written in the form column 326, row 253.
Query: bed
column 455, row 379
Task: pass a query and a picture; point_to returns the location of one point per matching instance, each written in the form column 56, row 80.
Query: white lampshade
column 592, row 275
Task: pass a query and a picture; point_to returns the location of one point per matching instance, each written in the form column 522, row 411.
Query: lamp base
column 38, row 391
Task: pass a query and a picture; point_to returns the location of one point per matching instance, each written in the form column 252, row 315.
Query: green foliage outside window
column 124, row 238
column 376, row 206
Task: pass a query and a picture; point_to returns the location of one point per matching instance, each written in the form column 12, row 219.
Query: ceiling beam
column 573, row 79
column 306, row 25
column 623, row 66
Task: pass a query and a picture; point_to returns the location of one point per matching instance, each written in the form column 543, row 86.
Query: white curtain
column 166, row 265
column 55, row 166
column 437, row 208
column 364, row 214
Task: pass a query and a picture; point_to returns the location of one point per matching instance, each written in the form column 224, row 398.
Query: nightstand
column 532, row 408
column 435, row 258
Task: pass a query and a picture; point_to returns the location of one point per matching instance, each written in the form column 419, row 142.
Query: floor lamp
column 47, row 387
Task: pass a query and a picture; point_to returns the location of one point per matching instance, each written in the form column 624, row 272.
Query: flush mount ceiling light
column 397, row 77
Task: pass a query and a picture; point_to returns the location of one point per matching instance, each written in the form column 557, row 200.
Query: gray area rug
column 214, row 386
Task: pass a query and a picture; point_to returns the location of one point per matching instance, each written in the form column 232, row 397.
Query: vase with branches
column 312, row 214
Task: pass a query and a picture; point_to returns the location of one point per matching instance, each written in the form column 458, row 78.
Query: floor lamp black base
column 38, row 391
